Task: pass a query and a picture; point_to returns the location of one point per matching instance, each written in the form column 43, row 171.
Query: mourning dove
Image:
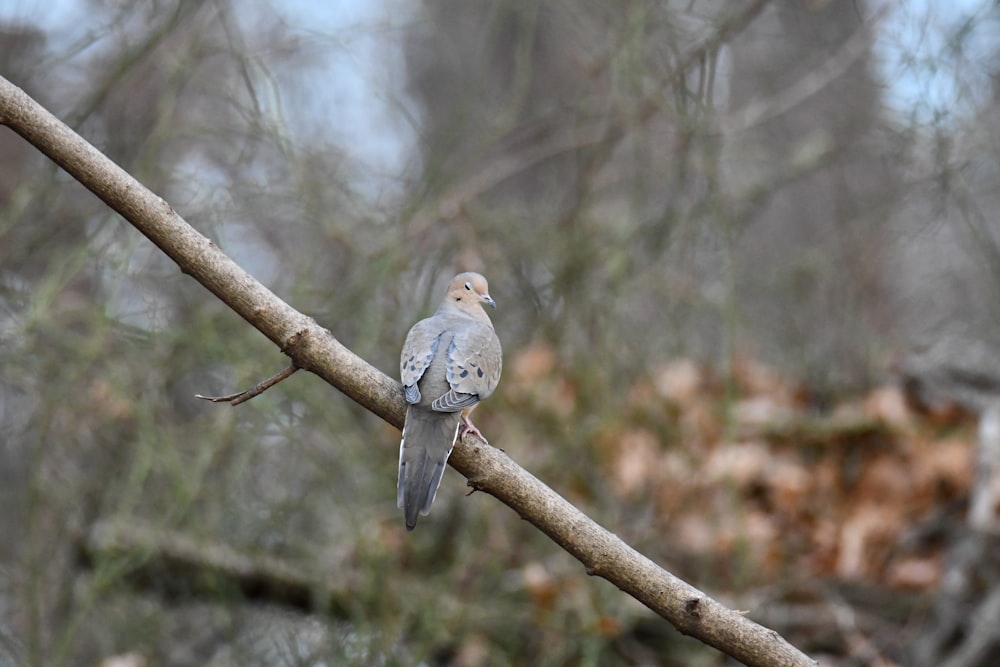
column 450, row 362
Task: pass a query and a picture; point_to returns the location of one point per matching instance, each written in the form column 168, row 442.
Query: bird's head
column 468, row 290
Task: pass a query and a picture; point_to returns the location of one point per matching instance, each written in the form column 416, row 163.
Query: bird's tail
column 423, row 453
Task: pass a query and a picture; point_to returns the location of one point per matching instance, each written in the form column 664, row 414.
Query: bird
column 450, row 362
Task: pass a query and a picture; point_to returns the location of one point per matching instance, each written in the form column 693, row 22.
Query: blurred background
column 746, row 269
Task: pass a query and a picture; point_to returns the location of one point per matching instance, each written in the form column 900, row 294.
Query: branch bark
column 315, row 349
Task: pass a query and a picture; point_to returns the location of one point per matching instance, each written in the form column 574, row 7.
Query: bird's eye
column 468, row 286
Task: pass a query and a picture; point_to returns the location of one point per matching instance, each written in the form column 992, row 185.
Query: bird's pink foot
column 469, row 427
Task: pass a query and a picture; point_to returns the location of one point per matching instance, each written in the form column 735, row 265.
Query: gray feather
column 428, row 438
column 454, row 401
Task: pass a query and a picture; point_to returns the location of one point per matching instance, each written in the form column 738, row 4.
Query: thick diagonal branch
column 315, row 349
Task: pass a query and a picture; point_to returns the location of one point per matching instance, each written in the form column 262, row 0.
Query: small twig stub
column 259, row 388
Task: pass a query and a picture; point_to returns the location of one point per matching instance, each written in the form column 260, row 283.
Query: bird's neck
column 473, row 312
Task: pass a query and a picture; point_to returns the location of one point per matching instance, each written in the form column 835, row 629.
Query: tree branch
column 760, row 111
column 315, row 349
column 256, row 390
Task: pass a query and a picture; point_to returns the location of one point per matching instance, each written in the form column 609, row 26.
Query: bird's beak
column 489, row 300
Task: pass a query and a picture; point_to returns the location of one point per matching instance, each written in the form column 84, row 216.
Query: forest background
column 747, row 276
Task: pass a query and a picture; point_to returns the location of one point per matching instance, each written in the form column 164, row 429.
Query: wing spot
column 479, row 371
column 464, row 374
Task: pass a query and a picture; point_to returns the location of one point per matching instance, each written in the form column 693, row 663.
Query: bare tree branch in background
column 313, row 348
column 256, row 390
column 849, row 53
